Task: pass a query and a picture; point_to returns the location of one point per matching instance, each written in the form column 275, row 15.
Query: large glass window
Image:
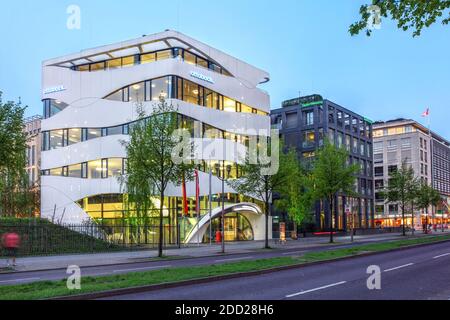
column 98, row 66
column 148, row 58
column 191, row 92
column 189, row 58
column 160, row 88
column 95, row 169
column 56, row 172
column 94, row 133
column 116, row 96
column 114, row 167
column 209, row 99
column 74, row 136
column 202, row 62
column 114, row 64
column 164, row 55
column 56, row 139
column 128, row 61
column 309, row 139
column 115, row 131
column 74, row 171
column 52, row 107
column 229, row 105
column 137, row 92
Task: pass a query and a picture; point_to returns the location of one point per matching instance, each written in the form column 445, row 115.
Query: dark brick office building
column 304, row 124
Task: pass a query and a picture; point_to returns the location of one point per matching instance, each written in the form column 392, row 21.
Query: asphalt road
column 415, row 274
column 34, row 276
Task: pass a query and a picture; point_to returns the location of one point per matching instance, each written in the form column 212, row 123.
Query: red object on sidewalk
column 11, row 240
column 218, row 237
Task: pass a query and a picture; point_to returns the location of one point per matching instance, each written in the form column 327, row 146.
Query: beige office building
column 402, row 140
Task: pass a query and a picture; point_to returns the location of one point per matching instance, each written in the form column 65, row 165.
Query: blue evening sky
column 304, row 44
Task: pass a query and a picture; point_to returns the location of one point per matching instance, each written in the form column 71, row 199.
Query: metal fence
column 50, row 239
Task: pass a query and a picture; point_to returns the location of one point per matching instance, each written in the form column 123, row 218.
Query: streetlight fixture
column 218, row 173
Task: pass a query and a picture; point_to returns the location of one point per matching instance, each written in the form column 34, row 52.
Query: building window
column 161, row 88
column 392, row 169
column 379, row 184
column 308, row 118
column 331, row 136
column 74, row 136
column 309, row 139
column 331, row 117
column 291, row 120
column 56, row 139
column 229, row 105
column 379, row 171
column 348, row 142
column 137, row 92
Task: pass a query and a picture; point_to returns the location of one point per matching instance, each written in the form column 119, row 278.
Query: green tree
column 400, row 189
column 261, row 182
column 409, row 14
column 15, row 197
column 296, row 196
column 332, row 174
column 150, row 167
column 427, row 197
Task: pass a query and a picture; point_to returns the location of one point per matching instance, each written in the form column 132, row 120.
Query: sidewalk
column 193, row 251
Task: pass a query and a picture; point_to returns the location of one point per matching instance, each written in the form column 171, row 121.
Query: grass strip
column 51, row 289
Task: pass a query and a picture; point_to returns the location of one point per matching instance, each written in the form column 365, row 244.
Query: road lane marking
column 234, row 259
column 316, row 289
column 442, row 255
column 288, row 253
column 400, row 267
column 20, row 280
column 140, row 269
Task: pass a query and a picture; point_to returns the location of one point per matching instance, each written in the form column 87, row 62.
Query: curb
column 150, row 288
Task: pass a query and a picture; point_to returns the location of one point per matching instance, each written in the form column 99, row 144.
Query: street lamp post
column 223, row 201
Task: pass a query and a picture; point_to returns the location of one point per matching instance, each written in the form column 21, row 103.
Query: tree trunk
column 403, row 218
column 267, row 225
column 267, row 219
column 161, row 238
column 331, row 220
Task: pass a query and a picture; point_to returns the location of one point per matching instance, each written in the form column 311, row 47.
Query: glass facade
column 52, row 107
column 56, row 139
column 173, row 87
column 174, row 53
column 115, row 167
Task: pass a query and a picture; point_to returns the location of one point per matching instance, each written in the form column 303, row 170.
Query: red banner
column 197, row 192
column 185, row 202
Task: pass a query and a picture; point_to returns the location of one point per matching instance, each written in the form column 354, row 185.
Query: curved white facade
column 83, row 93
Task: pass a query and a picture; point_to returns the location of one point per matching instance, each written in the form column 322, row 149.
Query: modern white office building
column 90, row 101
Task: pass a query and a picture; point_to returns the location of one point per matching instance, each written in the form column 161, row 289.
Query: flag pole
column 210, row 205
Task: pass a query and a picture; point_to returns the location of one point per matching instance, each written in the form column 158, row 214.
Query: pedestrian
column 11, row 243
